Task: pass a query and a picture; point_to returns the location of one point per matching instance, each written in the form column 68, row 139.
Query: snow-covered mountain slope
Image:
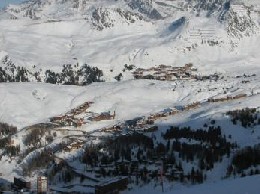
column 211, row 48
column 26, row 104
column 108, row 34
column 247, row 185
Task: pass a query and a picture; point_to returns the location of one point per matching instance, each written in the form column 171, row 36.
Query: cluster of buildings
column 104, row 116
column 20, row 185
column 67, row 120
column 146, row 124
column 165, row 72
column 75, row 117
column 164, row 113
column 169, row 73
column 80, row 109
column 70, row 118
column 74, row 146
column 227, row 98
column 191, row 106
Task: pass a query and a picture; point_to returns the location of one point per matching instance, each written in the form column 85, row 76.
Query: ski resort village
column 130, row 97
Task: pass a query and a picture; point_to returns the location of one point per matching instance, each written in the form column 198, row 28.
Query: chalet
column 67, row 149
column 69, row 122
column 169, row 77
column 156, row 116
column 191, row 106
column 79, row 122
column 76, row 146
column 240, row 96
column 69, row 116
column 82, row 108
column 57, row 119
column 162, row 77
column 12, row 142
column 104, row 116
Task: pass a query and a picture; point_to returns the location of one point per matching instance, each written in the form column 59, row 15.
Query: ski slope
column 108, row 35
column 63, row 35
column 24, row 104
column 246, row 185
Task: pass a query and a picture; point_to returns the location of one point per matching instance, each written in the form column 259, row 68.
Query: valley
column 130, row 96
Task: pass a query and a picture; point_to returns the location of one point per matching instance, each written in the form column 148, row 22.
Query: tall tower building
column 42, row 185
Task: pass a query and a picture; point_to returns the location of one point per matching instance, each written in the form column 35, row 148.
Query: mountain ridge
column 110, row 34
column 176, row 90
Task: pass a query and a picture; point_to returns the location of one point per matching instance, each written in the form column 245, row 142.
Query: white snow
column 246, row 185
column 23, row 104
column 48, row 44
column 62, row 33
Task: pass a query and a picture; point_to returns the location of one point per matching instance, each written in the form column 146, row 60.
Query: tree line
column 244, row 159
column 248, row 117
column 69, row 75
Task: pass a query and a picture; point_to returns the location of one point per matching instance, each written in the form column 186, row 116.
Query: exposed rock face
column 104, row 14
column 145, row 7
column 240, row 23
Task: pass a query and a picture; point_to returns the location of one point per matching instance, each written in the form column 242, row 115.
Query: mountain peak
column 61, row 9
